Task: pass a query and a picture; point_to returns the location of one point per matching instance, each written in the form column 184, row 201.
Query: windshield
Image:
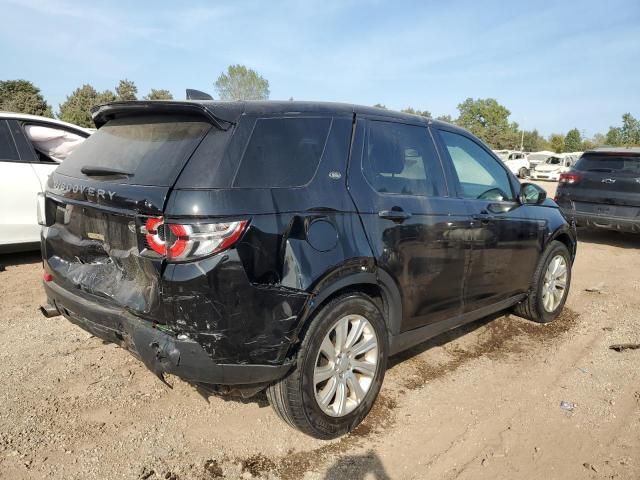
column 622, row 164
column 553, row 161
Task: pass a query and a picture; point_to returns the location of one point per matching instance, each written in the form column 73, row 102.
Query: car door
column 505, row 239
column 416, row 231
column 19, row 186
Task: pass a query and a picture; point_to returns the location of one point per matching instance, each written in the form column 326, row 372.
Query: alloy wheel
column 345, row 365
column 555, row 283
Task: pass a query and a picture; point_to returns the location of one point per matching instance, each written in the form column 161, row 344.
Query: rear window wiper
column 104, row 171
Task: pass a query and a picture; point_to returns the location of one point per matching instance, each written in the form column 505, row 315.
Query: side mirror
column 531, row 194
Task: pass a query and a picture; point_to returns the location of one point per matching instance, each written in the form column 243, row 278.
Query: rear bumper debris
column 162, row 352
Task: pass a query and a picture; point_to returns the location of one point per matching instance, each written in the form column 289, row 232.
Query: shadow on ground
column 21, row 258
column 358, row 467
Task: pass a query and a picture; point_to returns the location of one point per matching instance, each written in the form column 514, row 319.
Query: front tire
column 550, row 286
column 339, row 370
column 523, row 172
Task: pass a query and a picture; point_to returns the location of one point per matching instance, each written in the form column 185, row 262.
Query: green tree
column 22, row 96
column 630, row 131
column 446, row 118
column 556, row 142
column 532, row 141
column 422, row 113
column 126, row 90
column 597, row 140
column 573, row 141
column 242, row 83
column 77, row 107
column 614, row 137
column 488, row 120
column 158, row 94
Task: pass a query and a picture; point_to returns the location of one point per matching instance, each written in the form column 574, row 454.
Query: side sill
column 413, row 337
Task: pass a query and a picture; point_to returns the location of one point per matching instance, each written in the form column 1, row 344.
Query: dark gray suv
column 602, row 191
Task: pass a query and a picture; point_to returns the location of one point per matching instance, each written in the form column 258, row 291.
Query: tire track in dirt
column 499, row 338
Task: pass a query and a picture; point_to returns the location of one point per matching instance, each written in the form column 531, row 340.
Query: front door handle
column 397, row 216
column 483, row 217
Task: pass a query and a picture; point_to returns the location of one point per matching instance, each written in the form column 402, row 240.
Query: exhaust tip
column 49, row 310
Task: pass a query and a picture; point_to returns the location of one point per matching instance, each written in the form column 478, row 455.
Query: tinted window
column 8, row 149
column 282, row 152
column 480, row 175
column 400, row 159
column 153, row 149
column 621, row 164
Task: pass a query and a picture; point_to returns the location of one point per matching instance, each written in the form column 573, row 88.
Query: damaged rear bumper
column 162, row 352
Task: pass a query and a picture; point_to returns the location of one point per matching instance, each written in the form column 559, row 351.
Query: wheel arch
column 376, row 283
column 564, row 236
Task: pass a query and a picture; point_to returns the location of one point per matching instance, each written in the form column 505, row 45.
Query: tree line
column 484, row 117
column 489, row 120
column 22, row 96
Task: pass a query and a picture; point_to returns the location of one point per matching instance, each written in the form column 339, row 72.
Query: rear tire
column 550, row 286
column 304, row 398
column 523, row 172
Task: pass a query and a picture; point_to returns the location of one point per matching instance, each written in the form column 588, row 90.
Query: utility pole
column 522, row 142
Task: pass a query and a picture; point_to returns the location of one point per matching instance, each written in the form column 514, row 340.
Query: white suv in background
column 31, row 147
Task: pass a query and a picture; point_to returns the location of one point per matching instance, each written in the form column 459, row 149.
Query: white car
column 31, row 147
column 515, row 161
column 518, row 163
column 553, row 167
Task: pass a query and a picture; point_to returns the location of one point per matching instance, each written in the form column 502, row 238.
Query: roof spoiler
column 103, row 113
column 197, row 95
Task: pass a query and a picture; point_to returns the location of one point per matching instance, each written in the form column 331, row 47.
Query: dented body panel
column 245, row 306
column 236, row 316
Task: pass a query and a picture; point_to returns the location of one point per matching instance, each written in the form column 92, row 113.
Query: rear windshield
column 622, row 164
column 150, row 149
column 282, row 152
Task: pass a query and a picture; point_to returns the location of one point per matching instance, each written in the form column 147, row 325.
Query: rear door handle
column 397, row 216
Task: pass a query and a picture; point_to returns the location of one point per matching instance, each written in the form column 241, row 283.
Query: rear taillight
column 569, row 178
column 180, row 242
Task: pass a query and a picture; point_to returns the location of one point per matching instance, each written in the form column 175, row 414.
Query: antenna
column 197, row 95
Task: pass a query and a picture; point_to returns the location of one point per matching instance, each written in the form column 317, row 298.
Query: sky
column 554, row 65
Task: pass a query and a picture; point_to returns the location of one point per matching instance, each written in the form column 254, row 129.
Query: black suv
column 603, row 190
column 292, row 246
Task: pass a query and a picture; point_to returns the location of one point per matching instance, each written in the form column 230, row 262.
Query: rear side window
column 400, row 159
column 621, row 164
column 282, row 152
column 151, row 149
column 8, row 149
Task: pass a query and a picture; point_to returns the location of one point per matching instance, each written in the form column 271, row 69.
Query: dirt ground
column 481, row 402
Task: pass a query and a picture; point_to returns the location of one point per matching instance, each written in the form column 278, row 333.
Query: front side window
column 479, row 174
column 8, row 150
column 283, row 152
column 400, row 159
